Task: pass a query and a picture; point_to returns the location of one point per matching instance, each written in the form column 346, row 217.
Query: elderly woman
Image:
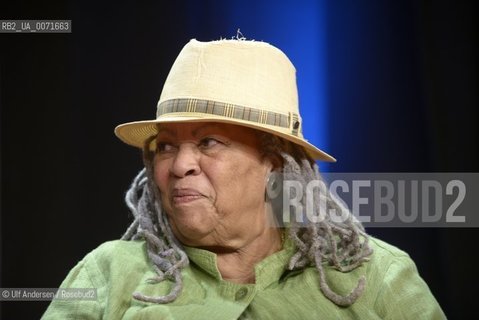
column 207, row 241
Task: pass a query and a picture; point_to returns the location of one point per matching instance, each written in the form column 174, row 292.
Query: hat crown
column 246, row 73
column 239, row 82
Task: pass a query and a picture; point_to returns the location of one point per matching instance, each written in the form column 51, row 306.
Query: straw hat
column 240, row 82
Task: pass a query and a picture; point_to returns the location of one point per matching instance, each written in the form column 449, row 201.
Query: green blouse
column 394, row 289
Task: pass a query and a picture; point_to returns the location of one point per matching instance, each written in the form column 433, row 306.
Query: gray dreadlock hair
column 341, row 245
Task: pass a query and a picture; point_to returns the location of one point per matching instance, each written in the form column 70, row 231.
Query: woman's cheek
column 161, row 182
column 161, row 176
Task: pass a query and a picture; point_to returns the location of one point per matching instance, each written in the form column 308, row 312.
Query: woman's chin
column 193, row 234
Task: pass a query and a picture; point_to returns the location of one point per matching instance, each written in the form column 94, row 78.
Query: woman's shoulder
column 118, row 249
column 386, row 258
column 118, row 253
column 392, row 276
column 384, row 250
column 113, row 258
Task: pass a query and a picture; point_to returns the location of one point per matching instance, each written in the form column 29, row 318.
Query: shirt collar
column 267, row 271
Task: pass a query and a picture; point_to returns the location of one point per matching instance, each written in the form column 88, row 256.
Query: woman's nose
column 186, row 161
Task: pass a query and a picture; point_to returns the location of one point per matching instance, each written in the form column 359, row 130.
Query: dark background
column 401, row 83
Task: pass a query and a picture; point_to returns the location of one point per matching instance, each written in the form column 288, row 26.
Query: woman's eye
column 164, row 147
column 208, row 143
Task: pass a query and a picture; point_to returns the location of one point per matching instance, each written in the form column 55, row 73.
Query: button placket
column 241, row 293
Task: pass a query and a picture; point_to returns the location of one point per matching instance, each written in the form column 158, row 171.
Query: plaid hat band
column 230, row 111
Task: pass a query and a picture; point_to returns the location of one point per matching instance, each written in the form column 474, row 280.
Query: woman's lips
column 185, row 195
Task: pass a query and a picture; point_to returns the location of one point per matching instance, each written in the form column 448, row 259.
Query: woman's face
column 212, row 180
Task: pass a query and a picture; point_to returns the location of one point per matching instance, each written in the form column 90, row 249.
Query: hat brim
column 135, row 133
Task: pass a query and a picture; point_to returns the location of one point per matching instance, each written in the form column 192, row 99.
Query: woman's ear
column 274, row 195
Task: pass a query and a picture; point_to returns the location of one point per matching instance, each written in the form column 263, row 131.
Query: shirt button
column 241, row 293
